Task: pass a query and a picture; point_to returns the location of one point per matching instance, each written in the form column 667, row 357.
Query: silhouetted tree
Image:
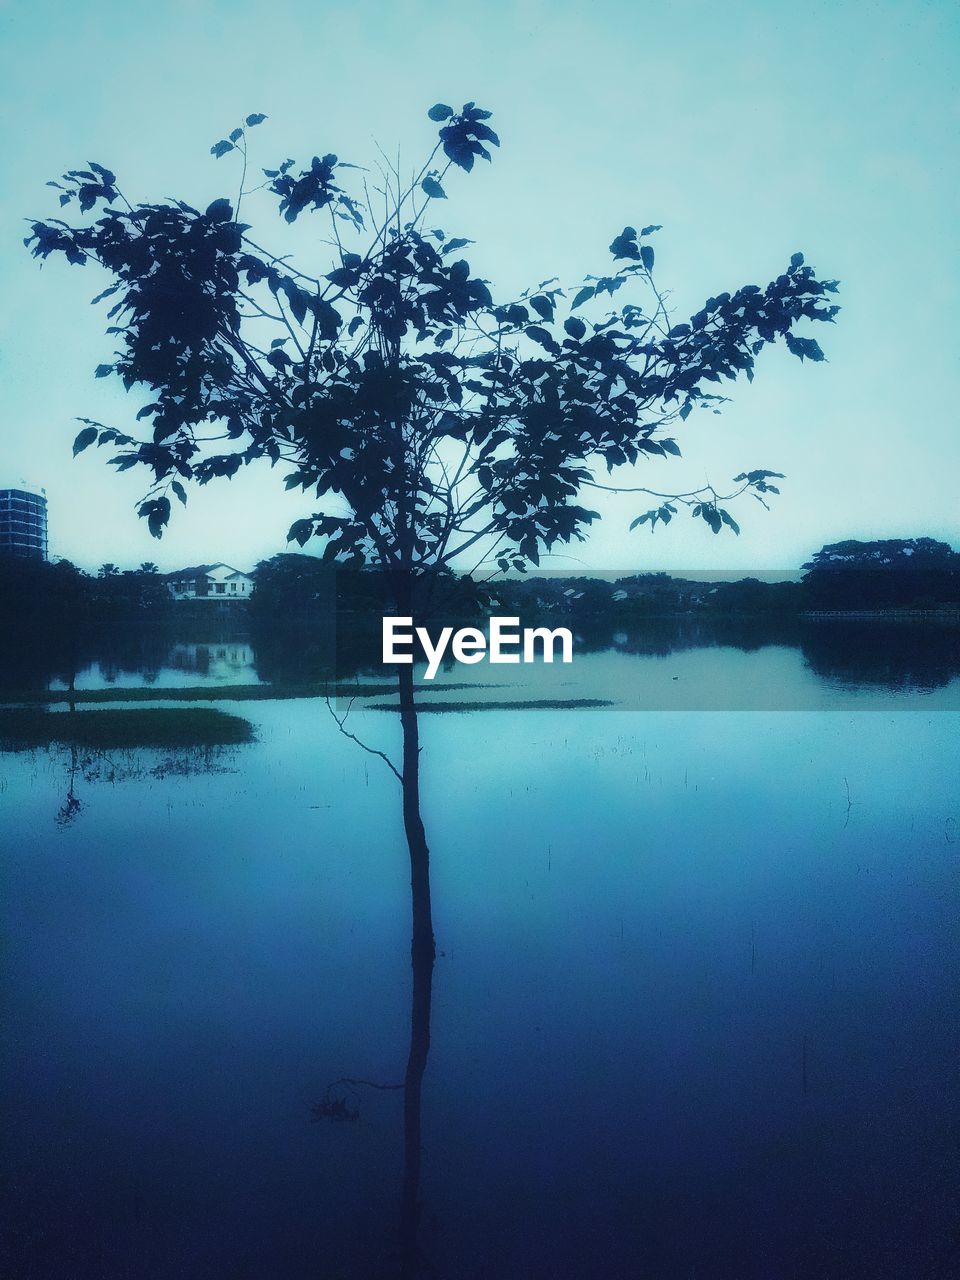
column 885, row 573
column 291, row 584
column 431, row 419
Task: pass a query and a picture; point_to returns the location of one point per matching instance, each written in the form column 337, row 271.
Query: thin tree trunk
column 423, row 952
column 423, row 945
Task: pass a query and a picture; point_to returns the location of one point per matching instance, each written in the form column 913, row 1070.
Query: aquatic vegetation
column 213, row 693
column 538, row 704
column 24, row 728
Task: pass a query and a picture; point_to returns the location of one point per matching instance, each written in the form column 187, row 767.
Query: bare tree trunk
column 423, row 946
column 423, row 952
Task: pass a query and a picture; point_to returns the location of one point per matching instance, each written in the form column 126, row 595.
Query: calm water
column 695, row 1009
column 172, row 664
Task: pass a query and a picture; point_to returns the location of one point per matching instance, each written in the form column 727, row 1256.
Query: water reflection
column 125, row 655
column 882, row 655
column 226, row 662
column 101, row 747
column 808, row 663
column 617, row 1076
column 698, row 1014
column 342, row 1102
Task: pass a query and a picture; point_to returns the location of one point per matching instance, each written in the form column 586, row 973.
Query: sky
column 749, row 130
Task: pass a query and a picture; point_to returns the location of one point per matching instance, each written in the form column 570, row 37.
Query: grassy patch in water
column 542, row 704
column 215, row 693
column 23, row 728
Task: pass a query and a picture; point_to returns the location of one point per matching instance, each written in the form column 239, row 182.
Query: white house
column 210, row 582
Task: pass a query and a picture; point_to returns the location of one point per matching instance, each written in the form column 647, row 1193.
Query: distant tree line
column 37, row 593
column 889, row 574
column 899, row 573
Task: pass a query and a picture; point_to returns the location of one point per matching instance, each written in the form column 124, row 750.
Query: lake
column 695, row 1008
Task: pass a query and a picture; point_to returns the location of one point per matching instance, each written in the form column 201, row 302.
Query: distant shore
column 885, row 615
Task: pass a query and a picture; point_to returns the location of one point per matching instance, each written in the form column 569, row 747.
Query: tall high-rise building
column 23, row 523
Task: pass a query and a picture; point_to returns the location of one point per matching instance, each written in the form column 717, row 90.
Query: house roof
column 194, row 571
column 201, row 570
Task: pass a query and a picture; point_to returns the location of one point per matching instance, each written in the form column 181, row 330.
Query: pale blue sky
column 748, row 129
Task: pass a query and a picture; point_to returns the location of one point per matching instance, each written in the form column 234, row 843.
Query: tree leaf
column 543, row 336
column 221, row 148
column 157, row 514
column 804, row 348
column 84, row 439
column 300, row 531
column 219, row 211
column 625, row 244
column 432, row 188
column 440, row 111
column 343, row 277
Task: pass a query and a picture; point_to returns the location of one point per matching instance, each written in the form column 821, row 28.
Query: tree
column 886, row 573
column 430, row 420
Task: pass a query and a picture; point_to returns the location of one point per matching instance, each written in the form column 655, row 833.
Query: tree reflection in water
column 88, row 767
column 883, row 655
column 869, row 653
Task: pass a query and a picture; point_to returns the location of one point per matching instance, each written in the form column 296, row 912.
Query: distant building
column 210, row 582
column 23, row 523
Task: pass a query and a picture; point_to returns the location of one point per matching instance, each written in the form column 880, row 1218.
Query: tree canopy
column 885, row 573
column 430, row 418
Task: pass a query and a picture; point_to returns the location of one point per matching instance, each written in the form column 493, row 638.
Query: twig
column 353, row 738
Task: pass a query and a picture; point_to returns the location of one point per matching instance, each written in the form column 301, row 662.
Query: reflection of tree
column 412, row 1093
column 32, row 658
column 311, row 651
column 71, row 806
column 341, row 1103
column 893, row 655
column 335, row 1105
column 658, row 637
column 91, row 766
